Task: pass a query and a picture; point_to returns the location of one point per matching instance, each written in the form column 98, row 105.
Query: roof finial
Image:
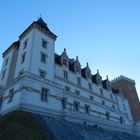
column 64, row 49
column 107, row 77
column 97, row 71
column 87, row 64
column 40, row 15
column 76, row 57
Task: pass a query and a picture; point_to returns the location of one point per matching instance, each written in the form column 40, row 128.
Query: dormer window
column 77, row 69
column 65, row 62
column 108, row 85
column 86, row 72
column 88, row 75
column 77, row 65
column 64, row 58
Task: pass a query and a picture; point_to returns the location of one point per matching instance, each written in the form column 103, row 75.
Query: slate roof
column 40, row 22
column 14, row 44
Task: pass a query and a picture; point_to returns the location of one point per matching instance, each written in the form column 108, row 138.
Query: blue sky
column 105, row 33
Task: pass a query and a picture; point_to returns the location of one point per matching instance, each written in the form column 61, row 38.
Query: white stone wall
column 9, row 56
column 29, row 84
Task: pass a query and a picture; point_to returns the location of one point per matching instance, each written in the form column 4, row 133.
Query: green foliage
column 20, row 125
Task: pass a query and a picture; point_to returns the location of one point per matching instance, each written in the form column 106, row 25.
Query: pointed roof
column 86, row 68
column 77, row 60
column 42, row 26
column 41, row 22
column 64, row 53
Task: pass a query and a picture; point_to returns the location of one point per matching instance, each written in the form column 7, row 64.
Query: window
column 103, row 102
column 25, row 44
column 79, row 81
column 121, row 120
column 65, row 75
column 87, row 109
column 101, row 91
column 77, row 92
column 90, row 86
column 42, row 74
column 44, row 43
column 11, row 95
column 43, row 57
column 113, row 106
column 107, row 115
column 91, row 98
column 65, row 61
column 6, row 61
column 67, row 88
column 77, row 69
column 21, row 72
column 88, row 75
column 44, row 94
column 3, row 74
column 76, row 106
column 23, row 58
column 64, row 102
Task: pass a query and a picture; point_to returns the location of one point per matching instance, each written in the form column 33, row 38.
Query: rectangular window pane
column 44, row 43
column 43, row 57
column 3, row 74
column 23, row 58
column 67, row 88
column 64, row 101
column 87, row 109
column 44, row 94
column 65, row 75
column 11, row 95
column 76, row 106
column 42, row 74
column 6, row 61
column 79, row 81
column 25, row 44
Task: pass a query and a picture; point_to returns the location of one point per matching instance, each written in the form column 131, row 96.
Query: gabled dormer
column 75, row 66
column 97, row 79
column 86, row 72
column 107, row 84
column 64, row 60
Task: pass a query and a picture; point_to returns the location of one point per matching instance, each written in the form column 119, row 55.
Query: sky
column 104, row 33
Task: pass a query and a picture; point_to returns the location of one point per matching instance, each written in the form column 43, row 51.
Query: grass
column 20, row 125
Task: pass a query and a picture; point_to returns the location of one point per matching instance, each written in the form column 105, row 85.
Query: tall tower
column 128, row 89
column 33, row 52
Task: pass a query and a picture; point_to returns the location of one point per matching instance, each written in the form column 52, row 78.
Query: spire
column 97, row 71
column 107, row 77
column 64, row 53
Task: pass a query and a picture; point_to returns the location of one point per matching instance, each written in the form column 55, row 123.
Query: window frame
column 23, row 56
column 42, row 74
column 11, row 95
column 25, row 43
column 44, row 94
column 43, row 57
